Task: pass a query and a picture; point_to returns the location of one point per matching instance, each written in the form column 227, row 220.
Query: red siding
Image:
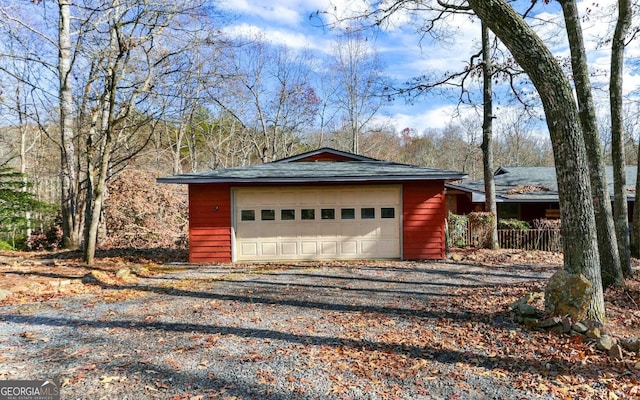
column 325, row 157
column 423, row 220
column 209, row 223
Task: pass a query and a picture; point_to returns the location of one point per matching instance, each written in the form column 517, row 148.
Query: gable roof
column 532, row 184
column 321, row 168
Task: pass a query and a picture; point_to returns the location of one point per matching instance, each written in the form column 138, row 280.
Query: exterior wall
column 325, row 157
column 209, row 223
column 210, row 213
column 423, row 220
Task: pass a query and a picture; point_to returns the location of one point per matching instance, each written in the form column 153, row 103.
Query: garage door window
column 348, row 213
column 268, row 215
column 328, row 213
column 247, row 215
column 308, row 213
column 386, row 212
column 287, row 215
column 367, row 213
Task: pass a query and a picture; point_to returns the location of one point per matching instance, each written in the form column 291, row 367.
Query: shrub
column 457, row 230
column 513, row 224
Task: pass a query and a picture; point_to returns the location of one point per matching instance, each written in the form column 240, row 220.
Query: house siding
column 209, row 223
column 423, row 220
column 210, row 220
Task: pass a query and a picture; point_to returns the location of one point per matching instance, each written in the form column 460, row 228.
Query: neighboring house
column 323, row 204
column 525, row 193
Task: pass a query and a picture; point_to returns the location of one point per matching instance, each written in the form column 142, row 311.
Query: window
column 508, row 210
column 387, row 212
column 247, row 215
column 348, row 213
column 287, row 215
column 307, row 213
column 327, row 213
column 268, row 215
column 367, row 213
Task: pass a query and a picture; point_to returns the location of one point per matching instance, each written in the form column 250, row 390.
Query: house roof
column 532, row 184
column 322, row 165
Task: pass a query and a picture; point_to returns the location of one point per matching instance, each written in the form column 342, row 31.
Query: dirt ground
column 353, row 330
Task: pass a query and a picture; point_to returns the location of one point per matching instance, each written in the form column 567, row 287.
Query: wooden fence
column 531, row 239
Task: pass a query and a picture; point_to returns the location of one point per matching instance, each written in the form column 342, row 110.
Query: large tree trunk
column 487, row 134
column 607, row 244
column 620, row 211
column 574, row 188
column 68, row 175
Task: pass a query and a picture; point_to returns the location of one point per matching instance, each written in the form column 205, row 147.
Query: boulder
column 605, row 343
column 568, row 294
column 97, row 277
column 632, row 344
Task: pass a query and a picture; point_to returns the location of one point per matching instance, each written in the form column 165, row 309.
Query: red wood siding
column 423, row 220
column 325, row 157
column 209, row 223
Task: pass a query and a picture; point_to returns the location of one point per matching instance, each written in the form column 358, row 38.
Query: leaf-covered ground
column 377, row 330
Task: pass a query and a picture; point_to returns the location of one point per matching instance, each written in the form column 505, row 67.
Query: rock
column 568, row 294
column 123, row 273
column 566, row 324
column 531, row 322
column 593, row 333
column 550, row 322
column 616, row 352
column 96, row 277
column 580, row 327
column 631, row 344
column 456, row 257
column 4, row 294
column 605, row 343
column 527, row 310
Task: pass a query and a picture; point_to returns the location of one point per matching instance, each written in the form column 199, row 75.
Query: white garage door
column 317, row 223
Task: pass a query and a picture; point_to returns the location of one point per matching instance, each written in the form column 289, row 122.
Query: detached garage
column 324, row 204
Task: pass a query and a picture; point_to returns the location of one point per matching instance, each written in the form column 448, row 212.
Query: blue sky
column 405, row 55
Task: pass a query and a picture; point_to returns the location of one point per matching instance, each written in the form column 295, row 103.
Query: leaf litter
column 341, row 330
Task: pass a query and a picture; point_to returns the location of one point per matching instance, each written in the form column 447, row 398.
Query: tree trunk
column 67, row 155
column 620, row 211
column 607, row 244
column 487, row 134
column 574, row 188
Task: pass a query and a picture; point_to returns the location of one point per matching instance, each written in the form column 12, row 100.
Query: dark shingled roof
column 532, row 184
column 301, row 172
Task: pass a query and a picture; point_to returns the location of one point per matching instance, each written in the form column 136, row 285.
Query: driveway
column 376, row 330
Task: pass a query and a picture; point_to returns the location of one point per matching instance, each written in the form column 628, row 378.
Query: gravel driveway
column 338, row 331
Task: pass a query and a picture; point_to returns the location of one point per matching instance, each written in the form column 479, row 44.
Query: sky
column 406, row 55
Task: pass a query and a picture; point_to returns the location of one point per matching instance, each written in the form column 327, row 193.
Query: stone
column 456, row 257
column 4, row 294
column 96, row 277
column 593, row 333
column 123, row 273
column 527, row 310
column 616, row 352
column 632, row 344
column 580, row 327
column 568, row 294
column 550, row 322
column 605, row 343
column 531, row 322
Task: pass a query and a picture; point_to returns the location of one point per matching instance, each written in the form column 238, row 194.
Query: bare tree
column 620, row 211
column 358, row 97
column 574, row 189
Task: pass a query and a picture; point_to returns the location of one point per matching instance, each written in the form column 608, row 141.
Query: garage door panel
column 309, row 248
column 328, row 235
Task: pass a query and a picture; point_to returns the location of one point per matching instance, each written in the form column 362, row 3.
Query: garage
column 317, row 223
column 324, row 204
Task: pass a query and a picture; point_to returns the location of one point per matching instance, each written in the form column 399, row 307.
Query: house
column 524, row 193
column 323, row 204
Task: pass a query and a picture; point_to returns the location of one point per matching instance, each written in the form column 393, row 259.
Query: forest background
column 159, row 88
